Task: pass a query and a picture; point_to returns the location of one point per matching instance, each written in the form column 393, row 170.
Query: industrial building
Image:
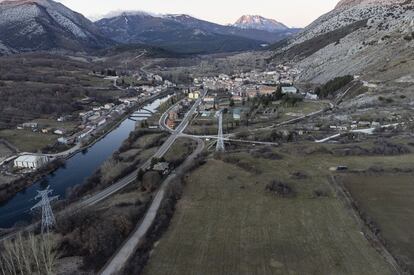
column 31, row 161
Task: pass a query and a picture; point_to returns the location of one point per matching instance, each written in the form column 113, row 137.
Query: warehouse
column 31, row 161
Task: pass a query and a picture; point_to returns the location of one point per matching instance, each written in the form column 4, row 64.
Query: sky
column 294, row 13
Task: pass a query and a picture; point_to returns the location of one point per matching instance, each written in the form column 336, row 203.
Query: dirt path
column 116, row 264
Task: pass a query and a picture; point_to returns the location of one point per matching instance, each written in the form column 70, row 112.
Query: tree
column 231, row 103
column 28, row 255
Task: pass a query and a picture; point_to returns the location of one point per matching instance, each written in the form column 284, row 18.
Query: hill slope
column 356, row 37
column 30, row 25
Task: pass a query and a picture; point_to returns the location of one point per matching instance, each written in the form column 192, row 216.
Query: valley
column 180, row 146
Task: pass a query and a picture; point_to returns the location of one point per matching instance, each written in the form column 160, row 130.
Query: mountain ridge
column 32, row 25
column 184, row 33
column 259, row 23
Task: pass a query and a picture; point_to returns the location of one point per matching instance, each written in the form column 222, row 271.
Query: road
column 121, row 258
column 367, row 131
column 122, row 183
column 232, row 140
column 160, row 153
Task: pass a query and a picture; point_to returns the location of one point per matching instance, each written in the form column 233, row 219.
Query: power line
column 220, row 139
column 48, row 219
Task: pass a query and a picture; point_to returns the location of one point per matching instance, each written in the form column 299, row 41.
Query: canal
column 75, row 171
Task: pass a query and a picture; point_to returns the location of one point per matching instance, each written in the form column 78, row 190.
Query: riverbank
column 79, row 166
column 10, row 189
column 110, row 127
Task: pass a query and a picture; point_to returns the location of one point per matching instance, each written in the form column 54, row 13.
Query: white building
column 194, row 95
column 289, row 90
column 311, row 96
column 31, row 161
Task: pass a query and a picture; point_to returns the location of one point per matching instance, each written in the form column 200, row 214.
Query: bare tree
column 28, row 255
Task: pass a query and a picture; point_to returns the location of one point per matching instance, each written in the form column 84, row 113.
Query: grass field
column 53, row 123
column 4, row 151
column 226, row 223
column 28, row 141
column 301, row 109
column 180, row 149
column 388, row 201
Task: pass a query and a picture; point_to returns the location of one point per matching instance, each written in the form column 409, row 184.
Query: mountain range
column 186, row 34
column 33, row 25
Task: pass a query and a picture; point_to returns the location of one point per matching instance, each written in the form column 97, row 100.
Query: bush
column 280, row 189
column 151, row 180
column 96, row 235
column 408, row 37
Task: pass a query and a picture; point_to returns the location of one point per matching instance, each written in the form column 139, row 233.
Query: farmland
column 28, row 141
column 228, row 223
column 387, row 201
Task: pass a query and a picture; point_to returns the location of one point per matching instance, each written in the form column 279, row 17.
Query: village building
column 251, row 92
column 31, row 161
column 289, row 90
column 193, row 95
column 162, row 167
column 209, row 102
column 32, row 125
column 109, row 106
column 311, row 96
column 267, row 90
column 59, row 132
column 237, row 114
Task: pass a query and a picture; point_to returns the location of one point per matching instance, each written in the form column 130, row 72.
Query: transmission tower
column 220, row 139
column 48, row 219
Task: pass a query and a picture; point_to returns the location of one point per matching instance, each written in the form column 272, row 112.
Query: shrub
column 280, row 189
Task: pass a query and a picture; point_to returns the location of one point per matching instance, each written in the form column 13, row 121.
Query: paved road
column 121, row 258
column 160, row 153
column 122, row 183
column 367, row 131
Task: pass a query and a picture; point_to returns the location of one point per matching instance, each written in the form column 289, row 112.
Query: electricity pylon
column 220, row 138
column 48, row 219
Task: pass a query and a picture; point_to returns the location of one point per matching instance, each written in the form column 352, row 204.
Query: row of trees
column 333, row 85
column 28, row 255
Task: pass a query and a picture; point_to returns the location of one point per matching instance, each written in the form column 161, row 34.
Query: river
column 75, row 171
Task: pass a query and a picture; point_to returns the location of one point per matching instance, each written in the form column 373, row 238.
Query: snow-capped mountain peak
column 259, row 23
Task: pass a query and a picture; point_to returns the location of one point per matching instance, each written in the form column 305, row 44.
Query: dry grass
column 387, row 201
column 226, row 223
column 112, row 169
column 4, row 151
column 28, row 141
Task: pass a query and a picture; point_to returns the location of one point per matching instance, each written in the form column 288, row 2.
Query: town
column 161, row 142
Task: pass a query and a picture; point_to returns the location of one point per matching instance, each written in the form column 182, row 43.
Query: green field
column 180, row 150
column 53, row 123
column 226, row 223
column 28, row 141
column 388, row 201
column 301, row 109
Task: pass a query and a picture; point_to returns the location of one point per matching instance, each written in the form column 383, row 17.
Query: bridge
column 142, row 113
